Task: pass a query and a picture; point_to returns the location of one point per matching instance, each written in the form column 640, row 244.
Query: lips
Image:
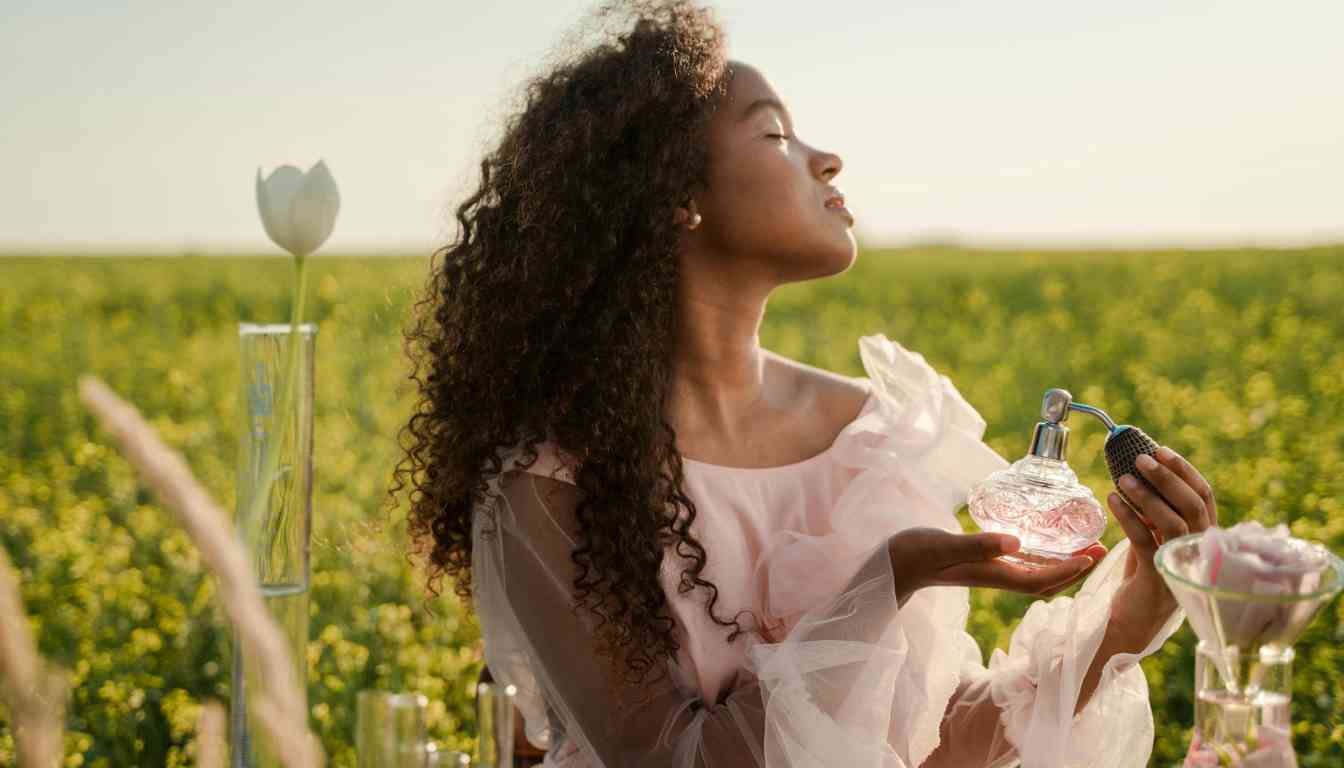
column 837, row 203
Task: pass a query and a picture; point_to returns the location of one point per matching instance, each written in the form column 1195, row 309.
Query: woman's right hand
column 931, row 557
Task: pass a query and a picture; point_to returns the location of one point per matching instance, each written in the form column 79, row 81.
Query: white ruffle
column 1037, row 682
column 916, row 455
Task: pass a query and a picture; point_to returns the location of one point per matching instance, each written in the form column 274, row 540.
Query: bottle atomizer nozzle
column 1124, row 443
column 1050, row 438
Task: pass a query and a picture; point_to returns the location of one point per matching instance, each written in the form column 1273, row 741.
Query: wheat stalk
column 166, row 472
column 30, row 694
column 210, row 736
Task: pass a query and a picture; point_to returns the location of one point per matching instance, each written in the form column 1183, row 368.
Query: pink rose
column 1252, row 560
column 1273, row 750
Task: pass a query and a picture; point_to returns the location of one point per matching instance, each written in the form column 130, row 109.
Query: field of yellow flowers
column 1234, row 358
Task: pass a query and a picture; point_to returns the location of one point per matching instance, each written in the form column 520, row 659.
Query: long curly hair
column 552, row 315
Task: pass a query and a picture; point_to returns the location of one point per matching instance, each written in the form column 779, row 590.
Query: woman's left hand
column 1186, row 505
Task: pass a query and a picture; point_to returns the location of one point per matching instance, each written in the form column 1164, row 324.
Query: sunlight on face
column 766, row 202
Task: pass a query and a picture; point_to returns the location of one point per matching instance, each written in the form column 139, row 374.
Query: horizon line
column 411, row 248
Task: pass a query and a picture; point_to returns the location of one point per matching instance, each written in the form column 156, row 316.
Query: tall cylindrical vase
column 274, row 516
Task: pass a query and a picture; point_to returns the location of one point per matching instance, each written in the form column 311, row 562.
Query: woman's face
column 765, row 209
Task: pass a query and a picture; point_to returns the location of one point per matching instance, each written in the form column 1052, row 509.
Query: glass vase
column 274, row 508
column 1246, row 625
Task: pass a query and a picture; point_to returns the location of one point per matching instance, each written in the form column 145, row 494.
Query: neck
column 718, row 363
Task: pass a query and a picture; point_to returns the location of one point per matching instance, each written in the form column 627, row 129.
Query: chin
column 840, row 259
column 824, row 257
column 825, row 263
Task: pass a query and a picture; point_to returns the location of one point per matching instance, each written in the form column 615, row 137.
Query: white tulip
column 298, row 209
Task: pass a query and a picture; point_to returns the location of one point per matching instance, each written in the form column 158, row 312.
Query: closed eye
column 777, row 136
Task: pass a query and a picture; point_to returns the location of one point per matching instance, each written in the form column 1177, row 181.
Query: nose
column 827, row 165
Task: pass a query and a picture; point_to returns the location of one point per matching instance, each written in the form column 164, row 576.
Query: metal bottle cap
column 1050, row 438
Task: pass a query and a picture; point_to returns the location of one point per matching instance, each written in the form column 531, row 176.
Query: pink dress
column 839, row 674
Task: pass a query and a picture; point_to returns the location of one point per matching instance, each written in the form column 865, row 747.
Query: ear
column 685, row 211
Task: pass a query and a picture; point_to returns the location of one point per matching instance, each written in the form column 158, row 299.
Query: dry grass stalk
column 31, row 695
column 166, row 472
column 210, row 736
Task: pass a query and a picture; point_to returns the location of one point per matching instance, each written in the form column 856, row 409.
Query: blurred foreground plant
column 280, row 702
column 35, row 694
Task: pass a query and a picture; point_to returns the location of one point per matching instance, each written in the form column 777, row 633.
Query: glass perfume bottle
column 1038, row 498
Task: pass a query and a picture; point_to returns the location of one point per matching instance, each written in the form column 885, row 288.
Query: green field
column 1234, row 358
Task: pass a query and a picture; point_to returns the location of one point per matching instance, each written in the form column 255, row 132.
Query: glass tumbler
column 494, row 723
column 390, row 730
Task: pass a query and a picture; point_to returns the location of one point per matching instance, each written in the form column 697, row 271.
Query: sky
column 141, row 125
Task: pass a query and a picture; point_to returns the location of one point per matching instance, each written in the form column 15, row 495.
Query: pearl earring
column 695, row 222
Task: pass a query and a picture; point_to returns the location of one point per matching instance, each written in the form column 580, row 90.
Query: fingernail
column 1008, row 543
column 1145, row 461
column 1129, row 483
column 1166, row 454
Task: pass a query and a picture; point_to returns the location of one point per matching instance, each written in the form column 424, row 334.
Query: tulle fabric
column 837, row 674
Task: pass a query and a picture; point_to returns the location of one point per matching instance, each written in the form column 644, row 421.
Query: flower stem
column 285, row 404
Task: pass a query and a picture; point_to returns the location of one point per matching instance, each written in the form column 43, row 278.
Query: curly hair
column 552, row 315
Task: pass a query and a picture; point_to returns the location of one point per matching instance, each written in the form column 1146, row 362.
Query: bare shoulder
column 837, row 396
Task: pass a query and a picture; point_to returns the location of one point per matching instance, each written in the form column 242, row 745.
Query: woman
column 688, row 550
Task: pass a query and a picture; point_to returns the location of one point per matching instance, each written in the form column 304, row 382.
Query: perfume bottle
column 1038, row 498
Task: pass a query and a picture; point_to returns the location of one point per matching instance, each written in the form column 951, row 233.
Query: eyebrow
column 763, row 103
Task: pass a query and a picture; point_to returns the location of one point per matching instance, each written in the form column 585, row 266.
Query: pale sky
column 141, row 124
